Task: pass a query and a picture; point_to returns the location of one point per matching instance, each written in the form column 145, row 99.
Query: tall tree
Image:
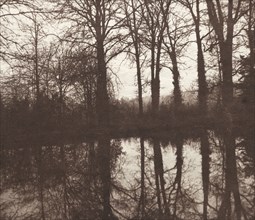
column 202, row 84
column 98, row 24
column 251, row 40
column 155, row 15
column 133, row 23
column 172, row 52
column 224, row 29
column 176, row 41
column 223, row 26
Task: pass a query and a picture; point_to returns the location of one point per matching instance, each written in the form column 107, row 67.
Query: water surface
column 134, row 178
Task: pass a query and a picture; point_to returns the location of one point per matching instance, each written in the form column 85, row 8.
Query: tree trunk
column 155, row 96
column 38, row 98
column 89, row 101
column 226, row 61
column 202, row 84
column 61, row 97
column 102, row 97
column 36, row 62
column 102, row 102
column 156, row 82
column 171, row 50
column 137, row 59
column 251, row 36
column 139, row 83
column 176, row 82
column 153, row 77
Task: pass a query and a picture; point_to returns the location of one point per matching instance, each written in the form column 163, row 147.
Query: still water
column 135, row 178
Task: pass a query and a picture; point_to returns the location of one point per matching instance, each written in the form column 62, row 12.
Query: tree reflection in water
column 178, row 177
column 205, row 152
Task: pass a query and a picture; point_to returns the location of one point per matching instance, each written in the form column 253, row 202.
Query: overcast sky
column 126, row 73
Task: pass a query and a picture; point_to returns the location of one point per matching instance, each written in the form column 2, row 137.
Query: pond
column 175, row 177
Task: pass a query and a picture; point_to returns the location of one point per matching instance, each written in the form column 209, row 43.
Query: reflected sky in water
column 134, row 178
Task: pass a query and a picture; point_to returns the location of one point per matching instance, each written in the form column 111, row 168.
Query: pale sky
column 127, row 75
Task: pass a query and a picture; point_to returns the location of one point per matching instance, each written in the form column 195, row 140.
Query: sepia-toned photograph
column 127, row 110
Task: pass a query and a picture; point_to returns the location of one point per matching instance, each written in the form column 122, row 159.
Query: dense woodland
column 58, row 82
column 56, row 63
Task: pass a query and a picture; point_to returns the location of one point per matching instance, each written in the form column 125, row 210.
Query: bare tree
column 85, row 78
column 98, row 24
column 251, row 36
column 224, row 29
column 10, row 12
column 155, row 15
column 133, row 22
column 175, row 42
column 172, row 52
column 251, row 39
column 202, row 84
